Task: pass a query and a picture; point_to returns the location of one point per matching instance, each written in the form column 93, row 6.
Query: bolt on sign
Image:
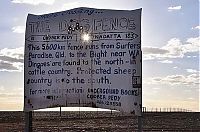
column 84, row 57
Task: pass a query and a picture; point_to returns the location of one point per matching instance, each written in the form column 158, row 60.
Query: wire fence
column 145, row 109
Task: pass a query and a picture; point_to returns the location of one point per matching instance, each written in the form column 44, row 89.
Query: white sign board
column 83, row 57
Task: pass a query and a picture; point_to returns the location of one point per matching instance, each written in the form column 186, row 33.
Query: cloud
column 154, row 50
column 189, row 80
column 13, row 53
column 9, row 98
column 71, row 5
column 166, row 61
column 2, row 89
column 173, row 49
column 11, row 59
column 172, row 8
column 197, row 27
column 193, row 45
column 192, row 71
column 15, row 90
column 34, row 2
column 191, row 98
column 194, row 56
column 4, row 66
column 18, row 29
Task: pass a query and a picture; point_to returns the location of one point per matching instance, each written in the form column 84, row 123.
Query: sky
column 170, row 45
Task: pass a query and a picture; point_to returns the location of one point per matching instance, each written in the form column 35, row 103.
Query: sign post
column 140, row 116
column 139, row 123
column 28, row 121
column 60, row 112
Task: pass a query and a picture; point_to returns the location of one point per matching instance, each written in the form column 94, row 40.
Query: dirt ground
column 101, row 122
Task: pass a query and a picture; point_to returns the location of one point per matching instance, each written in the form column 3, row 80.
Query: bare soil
column 13, row 121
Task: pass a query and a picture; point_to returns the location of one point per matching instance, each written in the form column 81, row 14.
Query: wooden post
column 28, row 121
column 140, row 116
column 139, row 123
column 60, row 112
